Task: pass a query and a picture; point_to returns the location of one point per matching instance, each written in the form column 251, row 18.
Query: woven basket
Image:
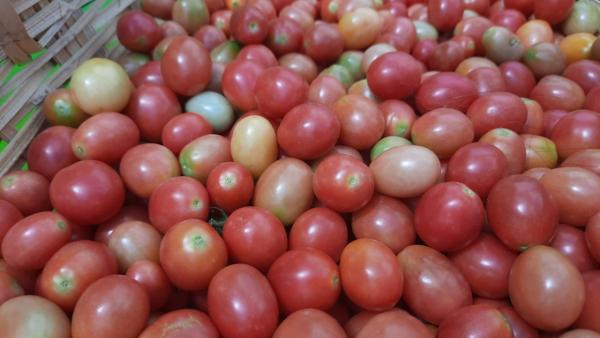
column 42, row 42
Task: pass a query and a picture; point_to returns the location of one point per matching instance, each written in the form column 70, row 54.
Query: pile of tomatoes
column 316, row 169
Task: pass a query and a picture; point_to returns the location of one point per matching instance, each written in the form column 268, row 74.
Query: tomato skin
column 26, row 190
column 361, row 120
column 181, row 323
column 186, row 66
column 50, row 151
column 249, row 25
column 192, row 243
column 151, row 276
column 138, row 31
column 242, row 303
column 579, row 130
column 183, row 129
column 323, row 42
column 114, row 306
column 255, row 237
column 28, row 316
column 127, row 213
column 571, row 242
column 9, row 287
column 322, row 229
column 203, row 154
column 210, row 36
column 239, row 81
column 151, row 107
column 447, row 90
column 105, row 137
column 343, row 183
column 278, row 90
column 444, row 14
column 145, row 166
column 72, row 269
column 309, row 323
column 479, row 320
column 150, row 73
column 394, row 323
column 394, row 75
column 60, row 108
column 48, row 229
column 9, row 216
column 588, row 318
column 546, row 289
column 431, row 278
column 74, row 188
column 230, row 186
column 371, row 276
column 449, row 216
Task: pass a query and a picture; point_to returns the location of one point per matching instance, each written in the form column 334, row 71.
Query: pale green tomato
column 425, row 31
column 214, row 107
column 386, row 144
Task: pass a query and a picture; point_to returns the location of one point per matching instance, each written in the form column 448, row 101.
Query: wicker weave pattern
column 69, row 36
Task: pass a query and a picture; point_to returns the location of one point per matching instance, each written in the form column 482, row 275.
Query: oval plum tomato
column 323, row 42
column 27, row 316
column 343, row 183
column 183, row 129
column 308, row 131
column 9, row 216
column 203, row 154
column 518, row 78
column 476, row 320
column 511, row 145
column 26, row 190
column 313, row 276
column 546, row 289
column 576, row 131
column 322, row 229
column 309, row 323
column 114, row 306
column 254, row 143
column 557, row 92
column 285, row 189
column 87, row 192
column 479, row 166
column 242, row 303
column 254, row 236
column 105, row 137
column 145, row 166
column 588, row 318
column 186, row 66
column 258, row 53
column 497, row 110
column 72, row 269
column 521, row 212
column 51, row 151
column 486, row 263
column 387, row 220
column 176, row 200
column 230, row 186
column 49, row 230
column 138, row 31
column 181, row 323
column 449, row 216
column 447, row 90
column 151, row 276
column 394, row 323
column 326, row 90
column 278, row 90
column 394, row 75
column 249, row 25
column 134, row 241
column 360, row 27
column 371, row 276
column 443, row 130
column 285, row 36
column 301, row 64
column 361, row 120
column 239, row 81
column 431, row 278
column 192, row 243
column 151, row 107
column 444, row 14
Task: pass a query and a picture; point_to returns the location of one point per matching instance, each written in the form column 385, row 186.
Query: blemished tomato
column 105, row 137
column 49, row 230
column 72, row 269
column 153, row 279
column 449, row 216
column 138, row 31
column 186, row 66
column 309, row 323
column 371, row 276
column 546, row 289
column 26, row 190
column 254, row 236
column 387, row 220
column 312, row 274
column 28, row 316
column 151, row 107
column 343, row 183
column 87, row 192
column 192, row 243
column 145, row 166
column 433, row 287
column 114, row 306
column 322, row 229
column 242, row 303
column 61, row 108
column 399, row 118
column 181, row 323
column 230, row 186
column 485, row 264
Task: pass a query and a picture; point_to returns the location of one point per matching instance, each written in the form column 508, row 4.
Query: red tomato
column 133, row 241
column 322, row 229
column 394, row 323
column 362, row 121
column 255, row 237
column 475, row 320
column 181, row 323
column 249, row 25
column 576, row 131
column 114, row 306
column 183, row 129
column 127, row 213
column 371, row 275
column 150, row 73
column 72, row 269
column 312, row 275
column 278, row 90
column 230, row 186
column 186, row 66
column 326, row 90
column 151, row 107
column 394, row 75
column 259, row 54
column 199, row 157
column 309, row 323
column 26, row 190
column 323, row 42
column 588, row 318
column 87, row 192
column 239, row 81
column 497, row 110
column 50, row 151
column 192, row 243
column 153, row 279
column 138, row 31
column 571, row 242
column 242, row 303
column 443, row 130
column 447, row 90
column 210, row 36
column 444, row 14
column 9, row 216
column 48, row 230
column 285, row 36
